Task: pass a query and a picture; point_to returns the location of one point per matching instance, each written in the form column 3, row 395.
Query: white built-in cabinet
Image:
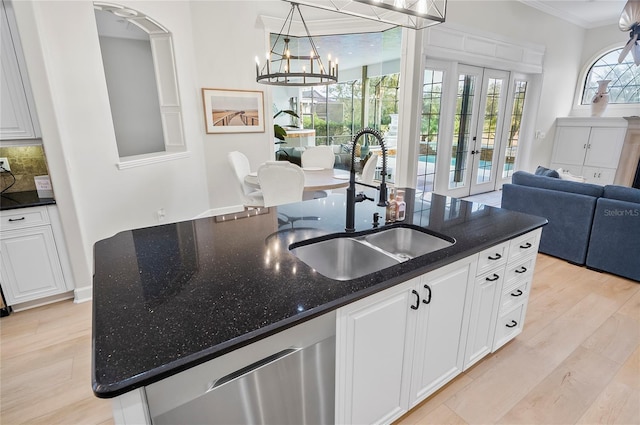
column 397, row 347
column 589, row 147
column 34, row 262
column 17, row 111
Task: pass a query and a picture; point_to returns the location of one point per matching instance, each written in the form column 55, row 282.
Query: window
column 625, row 79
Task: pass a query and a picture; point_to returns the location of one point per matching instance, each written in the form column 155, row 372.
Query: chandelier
column 414, row 14
column 283, row 68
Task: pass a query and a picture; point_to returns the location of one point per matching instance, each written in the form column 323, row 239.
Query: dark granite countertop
column 169, row 297
column 26, row 199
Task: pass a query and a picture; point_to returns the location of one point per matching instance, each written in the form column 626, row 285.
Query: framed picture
column 233, row 111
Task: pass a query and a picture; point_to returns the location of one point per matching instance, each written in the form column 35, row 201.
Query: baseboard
column 42, row 301
column 83, row 294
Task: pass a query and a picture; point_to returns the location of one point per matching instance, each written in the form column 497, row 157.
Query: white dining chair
column 318, row 156
column 281, row 182
column 369, row 169
column 241, row 168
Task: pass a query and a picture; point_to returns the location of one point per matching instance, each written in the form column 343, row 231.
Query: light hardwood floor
column 577, row 361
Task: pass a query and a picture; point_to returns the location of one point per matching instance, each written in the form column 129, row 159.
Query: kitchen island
column 169, row 298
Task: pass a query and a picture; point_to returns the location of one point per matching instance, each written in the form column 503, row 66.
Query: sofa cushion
column 527, row 179
column 615, row 238
column 569, row 214
column 622, row 193
column 542, row 171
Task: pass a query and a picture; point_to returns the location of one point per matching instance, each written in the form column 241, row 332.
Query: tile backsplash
column 26, row 162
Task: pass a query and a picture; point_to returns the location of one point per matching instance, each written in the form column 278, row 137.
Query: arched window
column 625, row 79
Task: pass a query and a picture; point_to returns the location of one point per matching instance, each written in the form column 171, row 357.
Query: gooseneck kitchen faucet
column 352, row 198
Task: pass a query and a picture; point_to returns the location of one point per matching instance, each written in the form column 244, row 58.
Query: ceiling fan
column 630, row 21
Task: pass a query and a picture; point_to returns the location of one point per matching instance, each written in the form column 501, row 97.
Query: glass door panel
column 512, row 131
column 429, row 130
column 465, row 122
column 488, row 132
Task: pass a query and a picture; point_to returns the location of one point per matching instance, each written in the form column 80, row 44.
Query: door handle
column 512, row 324
column 415, row 307
column 428, row 300
column 525, row 246
column 496, row 257
column 517, row 293
column 493, row 278
column 521, row 270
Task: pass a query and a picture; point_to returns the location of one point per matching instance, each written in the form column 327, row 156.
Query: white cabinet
column 442, row 327
column 374, row 337
column 398, row 346
column 17, row 113
column 514, row 295
column 31, row 262
column 589, row 147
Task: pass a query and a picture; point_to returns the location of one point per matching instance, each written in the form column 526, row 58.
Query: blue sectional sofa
column 588, row 224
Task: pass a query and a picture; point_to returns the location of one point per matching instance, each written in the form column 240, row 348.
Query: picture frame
column 233, row 111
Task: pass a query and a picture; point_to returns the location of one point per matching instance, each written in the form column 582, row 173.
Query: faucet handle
column 376, row 218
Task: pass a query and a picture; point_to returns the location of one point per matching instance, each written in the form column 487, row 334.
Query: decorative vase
column 600, row 99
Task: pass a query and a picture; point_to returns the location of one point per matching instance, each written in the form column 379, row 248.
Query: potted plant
column 280, row 132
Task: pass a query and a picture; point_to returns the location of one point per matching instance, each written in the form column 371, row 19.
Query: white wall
column 96, row 199
column 228, row 35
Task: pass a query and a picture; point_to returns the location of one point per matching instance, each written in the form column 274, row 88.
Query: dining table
column 315, row 178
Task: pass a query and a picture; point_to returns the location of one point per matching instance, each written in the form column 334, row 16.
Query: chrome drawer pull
column 521, row 269
column 525, row 246
column 497, row 257
column 16, row 219
column 517, row 293
column 513, row 324
column 493, row 278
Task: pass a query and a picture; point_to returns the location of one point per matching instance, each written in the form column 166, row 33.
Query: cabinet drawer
column 521, row 270
column 492, row 257
column 524, row 245
column 25, row 217
column 515, row 295
column 509, row 325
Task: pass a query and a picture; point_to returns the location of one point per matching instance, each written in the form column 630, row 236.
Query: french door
column 477, row 131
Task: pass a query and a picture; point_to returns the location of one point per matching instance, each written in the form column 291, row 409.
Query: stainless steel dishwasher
column 294, row 386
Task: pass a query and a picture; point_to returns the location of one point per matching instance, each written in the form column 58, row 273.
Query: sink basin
column 406, row 242
column 343, row 258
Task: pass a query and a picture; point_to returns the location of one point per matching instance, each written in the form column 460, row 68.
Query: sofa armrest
column 614, row 245
column 570, row 217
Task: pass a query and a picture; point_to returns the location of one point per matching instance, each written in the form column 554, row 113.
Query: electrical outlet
column 4, row 162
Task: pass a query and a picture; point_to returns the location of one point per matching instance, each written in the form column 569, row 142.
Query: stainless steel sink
column 406, row 242
column 343, row 258
column 346, row 258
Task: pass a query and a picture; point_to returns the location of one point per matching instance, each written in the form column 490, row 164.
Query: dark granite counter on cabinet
column 13, row 200
column 169, row 297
